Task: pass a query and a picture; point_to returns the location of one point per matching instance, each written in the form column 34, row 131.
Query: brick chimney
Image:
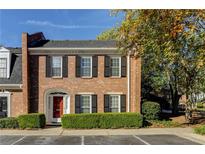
column 25, row 72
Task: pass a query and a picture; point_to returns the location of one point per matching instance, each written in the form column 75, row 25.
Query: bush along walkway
column 26, row 121
column 102, row 120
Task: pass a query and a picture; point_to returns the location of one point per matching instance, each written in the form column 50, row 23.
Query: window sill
column 86, row 77
column 115, row 77
column 56, row 77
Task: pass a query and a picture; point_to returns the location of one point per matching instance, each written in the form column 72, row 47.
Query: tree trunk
column 175, row 103
column 175, row 100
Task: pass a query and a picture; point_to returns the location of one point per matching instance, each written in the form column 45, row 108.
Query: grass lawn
column 200, row 130
column 163, row 124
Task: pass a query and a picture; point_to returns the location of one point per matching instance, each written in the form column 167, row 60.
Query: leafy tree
column 172, row 44
column 110, row 34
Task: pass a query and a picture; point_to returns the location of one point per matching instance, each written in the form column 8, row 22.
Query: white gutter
column 128, row 82
column 37, row 49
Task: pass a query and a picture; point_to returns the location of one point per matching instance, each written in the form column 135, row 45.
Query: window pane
column 86, row 66
column 114, row 103
column 56, row 66
column 3, row 67
column 115, row 71
column 115, row 66
column 115, row 62
column 85, row 104
column 3, row 106
column 56, row 61
column 3, row 62
column 56, row 71
column 86, row 71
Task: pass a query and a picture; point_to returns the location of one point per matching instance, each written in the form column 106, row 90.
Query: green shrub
column 151, row 110
column 102, row 120
column 200, row 105
column 33, row 120
column 9, row 122
column 79, row 121
column 164, row 123
column 200, row 130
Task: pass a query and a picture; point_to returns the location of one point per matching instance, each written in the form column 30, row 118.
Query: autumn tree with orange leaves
column 172, row 44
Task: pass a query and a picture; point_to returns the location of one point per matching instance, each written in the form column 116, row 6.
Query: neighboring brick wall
column 17, row 105
column 135, row 85
column 73, row 85
column 25, row 73
column 34, row 82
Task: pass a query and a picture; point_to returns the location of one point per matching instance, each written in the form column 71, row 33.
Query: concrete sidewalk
column 181, row 132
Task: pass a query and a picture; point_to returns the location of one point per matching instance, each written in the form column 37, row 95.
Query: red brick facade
column 16, row 103
column 36, row 84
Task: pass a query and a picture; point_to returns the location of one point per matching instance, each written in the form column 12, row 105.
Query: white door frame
column 49, row 107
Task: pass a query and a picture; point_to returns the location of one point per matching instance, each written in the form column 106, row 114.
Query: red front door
column 57, row 106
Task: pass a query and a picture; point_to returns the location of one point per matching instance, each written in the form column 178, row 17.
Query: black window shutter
column 95, row 66
column 123, row 66
column 48, row 66
column 78, row 66
column 77, row 104
column 123, row 103
column 94, row 103
column 106, row 103
column 107, row 66
column 65, row 66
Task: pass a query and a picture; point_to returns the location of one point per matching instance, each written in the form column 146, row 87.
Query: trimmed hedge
column 32, row 120
column 9, row 122
column 102, row 120
column 151, row 110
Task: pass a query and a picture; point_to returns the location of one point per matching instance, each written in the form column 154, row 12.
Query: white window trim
column 91, row 68
column 119, row 104
column 120, row 63
column 8, row 95
column 61, row 67
column 6, row 67
column 90, row 101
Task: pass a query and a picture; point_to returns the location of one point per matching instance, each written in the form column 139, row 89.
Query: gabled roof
column 16, row 68
column 76, row 44
column 2, row 49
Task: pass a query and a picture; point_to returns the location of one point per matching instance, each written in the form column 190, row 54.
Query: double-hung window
column 114, row 103
column 115, row 66
column 3, row 67
column 86, row 66
column 56, row 66
column 86, row 104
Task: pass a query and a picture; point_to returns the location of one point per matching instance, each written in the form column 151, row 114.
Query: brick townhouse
column 62, row 77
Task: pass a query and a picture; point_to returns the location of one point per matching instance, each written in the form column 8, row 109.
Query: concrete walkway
column 181, row 132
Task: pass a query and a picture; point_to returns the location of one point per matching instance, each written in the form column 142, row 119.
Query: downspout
column 128, row 81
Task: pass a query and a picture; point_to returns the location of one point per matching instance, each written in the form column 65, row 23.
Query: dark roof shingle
column 78, row 44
